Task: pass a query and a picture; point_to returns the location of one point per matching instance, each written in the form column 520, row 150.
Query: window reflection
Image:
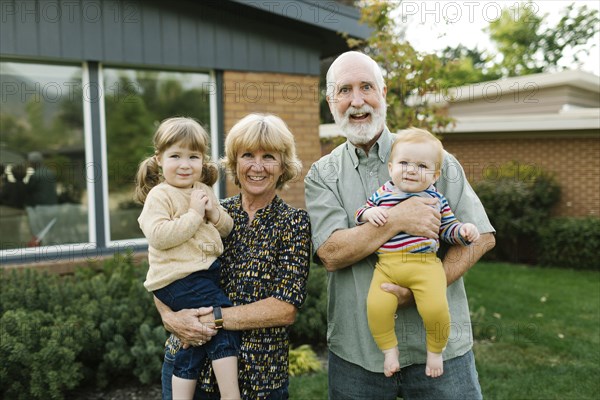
column 135, row 103
column 42, row 156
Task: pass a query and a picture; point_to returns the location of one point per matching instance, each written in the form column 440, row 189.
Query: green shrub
column 39, row 354
column 150, row 343
column 31, row 290
column 303, row 360
column 571, row 243
column 311, row 323
column 518, row 199
column 59, row 333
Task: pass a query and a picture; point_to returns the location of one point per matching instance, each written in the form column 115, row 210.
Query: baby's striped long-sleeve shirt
column 389, row 195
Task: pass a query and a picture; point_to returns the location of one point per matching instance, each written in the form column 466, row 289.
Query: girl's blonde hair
column 417, row 135
column 177, row 130
column 265, row 132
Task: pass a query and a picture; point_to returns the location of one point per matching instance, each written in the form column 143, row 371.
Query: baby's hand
column 469, row 232
column 199, row 201
column 376, row 215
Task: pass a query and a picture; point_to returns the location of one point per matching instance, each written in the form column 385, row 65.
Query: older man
column 336, row 186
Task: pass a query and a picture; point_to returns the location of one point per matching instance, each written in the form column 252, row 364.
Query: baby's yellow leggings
column 425, row 276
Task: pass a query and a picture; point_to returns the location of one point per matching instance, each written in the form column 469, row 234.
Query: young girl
column 184, row 224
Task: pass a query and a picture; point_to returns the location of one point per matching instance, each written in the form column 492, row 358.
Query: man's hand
column 417, row 216
column 404, row 295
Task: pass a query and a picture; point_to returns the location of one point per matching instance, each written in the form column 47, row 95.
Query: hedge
column 60, row 333
column 571, row 243
column 518, row 202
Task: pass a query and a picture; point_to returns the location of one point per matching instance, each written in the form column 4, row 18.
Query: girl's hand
column 199, row 201
column 212, row 211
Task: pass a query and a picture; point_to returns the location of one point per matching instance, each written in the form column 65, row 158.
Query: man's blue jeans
column 349, row 381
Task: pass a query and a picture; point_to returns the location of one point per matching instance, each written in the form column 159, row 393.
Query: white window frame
column 76, row 250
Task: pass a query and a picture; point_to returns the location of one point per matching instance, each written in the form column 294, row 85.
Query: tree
column 528, row 45
column 462, row 66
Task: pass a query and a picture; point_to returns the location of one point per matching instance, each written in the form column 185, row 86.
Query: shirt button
column 371, row 173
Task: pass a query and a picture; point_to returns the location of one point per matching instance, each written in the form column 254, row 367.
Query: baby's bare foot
column 390, row 362
column 435, row 364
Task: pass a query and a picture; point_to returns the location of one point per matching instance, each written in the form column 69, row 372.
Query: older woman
column 264, row 266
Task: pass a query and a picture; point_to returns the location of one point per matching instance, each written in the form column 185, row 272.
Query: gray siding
column 182, row 34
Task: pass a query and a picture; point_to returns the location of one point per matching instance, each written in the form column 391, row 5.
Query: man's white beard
column 365, row 132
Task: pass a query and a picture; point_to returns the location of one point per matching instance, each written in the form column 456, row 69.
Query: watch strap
column 218, row 317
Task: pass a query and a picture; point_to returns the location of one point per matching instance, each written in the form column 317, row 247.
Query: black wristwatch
column 218, row 317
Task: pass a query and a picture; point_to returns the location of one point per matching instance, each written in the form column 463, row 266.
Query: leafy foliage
column 311, row 323
column 571, row 243
column 63, row 332
column 59, row 333
column 462, row 66
column 528, row 45
column 518, row 199
column 303, row 360
column 39, row 352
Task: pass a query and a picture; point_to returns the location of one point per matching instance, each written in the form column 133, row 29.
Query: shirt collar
column 277, row 202
column 382, row 146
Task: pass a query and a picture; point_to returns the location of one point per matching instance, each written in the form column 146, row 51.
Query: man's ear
column 328, row 99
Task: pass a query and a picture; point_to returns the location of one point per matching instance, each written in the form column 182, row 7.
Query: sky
column 433, row 25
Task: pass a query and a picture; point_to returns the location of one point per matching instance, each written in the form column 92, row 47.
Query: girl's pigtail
column 147, row 177
column 210, row 173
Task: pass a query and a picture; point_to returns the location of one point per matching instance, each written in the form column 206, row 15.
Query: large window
column 43, row 196
column 135, row 103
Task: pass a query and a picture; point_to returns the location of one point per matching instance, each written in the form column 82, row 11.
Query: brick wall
column 294, row 98
column 574, row 161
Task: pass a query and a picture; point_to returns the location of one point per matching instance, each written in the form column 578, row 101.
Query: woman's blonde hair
column 184, row 131
column 265, row 132
column 417, row 135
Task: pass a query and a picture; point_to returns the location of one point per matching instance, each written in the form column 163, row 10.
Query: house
column 548, row 121
column 85, row 83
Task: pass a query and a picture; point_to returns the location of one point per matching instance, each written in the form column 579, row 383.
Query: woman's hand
column 404, row 295
column 185, row 324
column 208, row 320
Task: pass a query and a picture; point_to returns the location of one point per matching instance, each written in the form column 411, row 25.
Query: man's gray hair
column 331, row 72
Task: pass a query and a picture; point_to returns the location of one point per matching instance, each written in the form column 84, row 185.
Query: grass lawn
column 537, row 334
